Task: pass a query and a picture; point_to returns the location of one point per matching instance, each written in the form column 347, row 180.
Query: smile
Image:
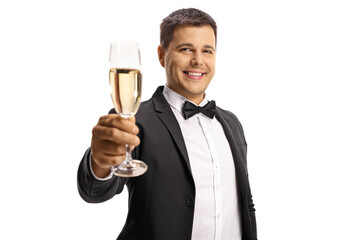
column 194, row 75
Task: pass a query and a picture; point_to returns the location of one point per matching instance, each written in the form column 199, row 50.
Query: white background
column 288, row 69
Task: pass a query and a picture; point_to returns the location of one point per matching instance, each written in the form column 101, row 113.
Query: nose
column 197, row 59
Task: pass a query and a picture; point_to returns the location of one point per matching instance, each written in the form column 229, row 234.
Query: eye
column 209, row 51
column 185, row 49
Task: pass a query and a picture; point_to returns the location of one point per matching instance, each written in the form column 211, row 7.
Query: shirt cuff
column 96, row 177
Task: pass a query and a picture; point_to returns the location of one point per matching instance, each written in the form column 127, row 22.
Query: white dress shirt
column 217, row 212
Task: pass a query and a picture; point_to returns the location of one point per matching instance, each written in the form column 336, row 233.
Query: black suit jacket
column 161, row 202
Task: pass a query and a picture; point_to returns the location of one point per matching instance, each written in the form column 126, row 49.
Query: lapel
column 165, row 114
column 234, row 143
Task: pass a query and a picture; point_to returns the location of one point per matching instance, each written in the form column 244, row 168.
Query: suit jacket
column 161, row 202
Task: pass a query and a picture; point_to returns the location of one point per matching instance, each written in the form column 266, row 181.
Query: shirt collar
column 177, row 101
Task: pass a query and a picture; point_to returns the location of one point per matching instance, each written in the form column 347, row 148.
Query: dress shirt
column 217, row 211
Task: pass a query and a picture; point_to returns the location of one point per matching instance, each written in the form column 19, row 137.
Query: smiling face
column 189, row 61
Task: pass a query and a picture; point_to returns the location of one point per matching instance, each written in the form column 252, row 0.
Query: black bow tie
column 191, row 109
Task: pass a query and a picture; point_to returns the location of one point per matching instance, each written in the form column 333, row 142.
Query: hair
column 186, row 16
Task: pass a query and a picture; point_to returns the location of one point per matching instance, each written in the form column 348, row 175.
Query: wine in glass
column 125, row 81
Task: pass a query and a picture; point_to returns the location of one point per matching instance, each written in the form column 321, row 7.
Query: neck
column 195, row 98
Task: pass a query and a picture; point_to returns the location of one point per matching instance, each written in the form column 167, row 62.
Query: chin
column 195, row 91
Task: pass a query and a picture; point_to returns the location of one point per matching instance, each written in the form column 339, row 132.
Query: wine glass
column 125, row 81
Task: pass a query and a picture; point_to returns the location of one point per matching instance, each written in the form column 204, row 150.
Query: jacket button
column 190, row 202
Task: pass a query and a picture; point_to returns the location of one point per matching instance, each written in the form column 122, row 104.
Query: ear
column 161, row 55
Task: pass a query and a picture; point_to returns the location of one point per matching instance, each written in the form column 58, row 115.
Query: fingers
column 109, row 137
column 119, row 130
column 106, row 161
column 115, row 121
column 115, row 135
column 111, row 149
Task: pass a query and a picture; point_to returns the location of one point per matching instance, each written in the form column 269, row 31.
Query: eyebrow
column 191, row 45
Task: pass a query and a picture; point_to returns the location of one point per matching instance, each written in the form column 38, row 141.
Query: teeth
column 195, row 74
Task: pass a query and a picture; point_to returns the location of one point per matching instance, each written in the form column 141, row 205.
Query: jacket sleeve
column 252, row 216
column 93, row 190
column 249, row 199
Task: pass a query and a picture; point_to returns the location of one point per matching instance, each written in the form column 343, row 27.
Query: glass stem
column 128, row 158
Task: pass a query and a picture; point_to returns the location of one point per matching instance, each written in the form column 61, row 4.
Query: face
column 189, row 61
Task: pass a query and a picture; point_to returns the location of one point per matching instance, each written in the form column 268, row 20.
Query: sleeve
column 250, row 202
column 95, row 190
column 252, row 215
column 111, row 174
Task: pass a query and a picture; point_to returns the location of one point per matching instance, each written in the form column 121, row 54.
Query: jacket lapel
column 164, row 112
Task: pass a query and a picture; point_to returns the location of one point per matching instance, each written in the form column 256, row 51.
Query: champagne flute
column 125, row 81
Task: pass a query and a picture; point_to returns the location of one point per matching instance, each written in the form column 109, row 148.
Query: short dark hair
column 186, row 16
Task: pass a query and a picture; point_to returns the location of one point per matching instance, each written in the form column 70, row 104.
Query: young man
column 196, row 186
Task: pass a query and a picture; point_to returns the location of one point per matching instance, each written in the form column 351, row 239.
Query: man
column 196, row 186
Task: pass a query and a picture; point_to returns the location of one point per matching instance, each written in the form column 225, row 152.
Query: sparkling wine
column 125, row 90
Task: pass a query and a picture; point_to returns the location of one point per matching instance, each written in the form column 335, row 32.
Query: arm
column 252, row 216
column 243, row 149
column 109, row 137
column 93, row 190
column 250, row 201
column 251, row 206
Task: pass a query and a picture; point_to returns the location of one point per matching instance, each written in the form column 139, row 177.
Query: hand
column 109, row 137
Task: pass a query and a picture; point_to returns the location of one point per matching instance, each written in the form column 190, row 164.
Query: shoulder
column 231, row 122
column 228, row 115
column 146, row 110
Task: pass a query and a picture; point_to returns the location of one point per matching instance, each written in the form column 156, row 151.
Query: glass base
column 134, row 169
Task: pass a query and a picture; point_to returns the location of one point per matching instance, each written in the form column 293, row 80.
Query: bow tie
column 191, row 109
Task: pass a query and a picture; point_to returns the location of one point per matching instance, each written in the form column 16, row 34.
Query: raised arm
column 109, row 136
